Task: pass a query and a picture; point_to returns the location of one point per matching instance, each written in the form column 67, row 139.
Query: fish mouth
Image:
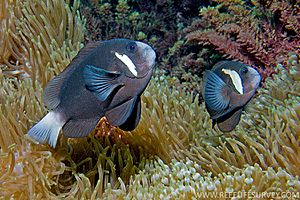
column 150, row 56
column 256, row 79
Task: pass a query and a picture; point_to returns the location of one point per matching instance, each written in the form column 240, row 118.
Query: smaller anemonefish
column 226, row 89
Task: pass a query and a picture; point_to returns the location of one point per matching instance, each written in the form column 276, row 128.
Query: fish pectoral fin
column 230, row 121
column 133, row 120
column 100, row 81
column 76, row 128
column 215, row 91
column 119, row 115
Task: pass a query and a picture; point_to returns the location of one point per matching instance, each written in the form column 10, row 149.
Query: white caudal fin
column 47, row 130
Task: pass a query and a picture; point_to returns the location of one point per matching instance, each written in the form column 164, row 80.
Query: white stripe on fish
column 128, row 62
column 236, row 80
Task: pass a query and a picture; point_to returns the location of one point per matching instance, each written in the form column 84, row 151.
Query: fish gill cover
column 173, row 153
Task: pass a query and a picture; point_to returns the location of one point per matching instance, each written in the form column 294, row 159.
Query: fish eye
column 131, row 47
column 244, row 70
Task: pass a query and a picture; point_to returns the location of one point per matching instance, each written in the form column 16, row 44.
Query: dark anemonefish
column 105, row 79
column 226, row 89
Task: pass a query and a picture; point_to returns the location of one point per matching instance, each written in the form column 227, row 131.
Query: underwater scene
column 149, row 99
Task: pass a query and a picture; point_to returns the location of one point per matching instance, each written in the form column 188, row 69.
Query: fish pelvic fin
column 120, row 114
column 47, row 130
column 133, row 120
column 230, row 121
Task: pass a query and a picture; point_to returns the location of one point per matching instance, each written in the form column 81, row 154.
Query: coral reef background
column 174, row 152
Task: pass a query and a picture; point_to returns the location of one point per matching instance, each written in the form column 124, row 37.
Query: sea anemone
column 38, row 38
column 174, row 152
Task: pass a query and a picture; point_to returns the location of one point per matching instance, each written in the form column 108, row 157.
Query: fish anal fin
column 76, row 128
column 119, row 115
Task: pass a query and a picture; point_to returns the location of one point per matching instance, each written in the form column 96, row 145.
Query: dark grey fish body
column 105, row 79
column 227, row 88
column 76, row 101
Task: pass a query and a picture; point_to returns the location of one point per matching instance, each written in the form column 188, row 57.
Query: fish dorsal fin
column 120, row 114
column 86, row 50
column 51, row 94
column 100, row 81
column 133, row 120
column 220, row 64
column 215, row 91
column 236, row 80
